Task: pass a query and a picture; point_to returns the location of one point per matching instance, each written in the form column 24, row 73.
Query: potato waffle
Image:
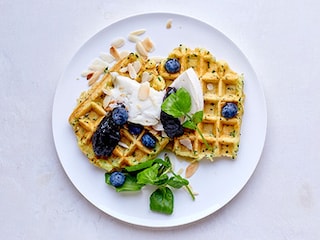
column 219, row 85
column 89, row 112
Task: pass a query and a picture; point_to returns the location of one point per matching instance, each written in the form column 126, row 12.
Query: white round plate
column 215, row 182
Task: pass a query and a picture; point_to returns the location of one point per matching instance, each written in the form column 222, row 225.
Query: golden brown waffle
column 89, row 112
column 219, row 85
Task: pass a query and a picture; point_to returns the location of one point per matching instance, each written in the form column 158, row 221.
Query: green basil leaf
column 165, row 165
column 140, row 166
column 161, row 180
column 177, row 104
column 162, row 200
column 189, row 124
column 148, row 175
column 197, row 117
column 177, row 181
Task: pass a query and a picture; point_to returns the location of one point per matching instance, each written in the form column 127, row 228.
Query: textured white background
column 281, row 40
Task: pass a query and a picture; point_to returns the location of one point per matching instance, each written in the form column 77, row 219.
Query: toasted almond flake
column 106, row 57
column 124, row 54
column 148, row 44
column 133, row 38
column 89, row 76
column 98, row 65
column 137, row 66
column 123, row 69
column 146, row 77
column 141, row 50
column 94, row 77
column 132, row 71
column 115, row 53
column 118, row 43
column 169, row 24
column 138, row 32
column 210, row 86
column 191, row 169
column 144, row 91
column 187, row 143
column 86, row 73
column 122, row 144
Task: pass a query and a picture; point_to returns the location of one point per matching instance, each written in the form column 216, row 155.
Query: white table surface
column 282, row 42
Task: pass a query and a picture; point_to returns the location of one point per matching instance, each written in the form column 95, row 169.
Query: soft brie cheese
column 189, row 80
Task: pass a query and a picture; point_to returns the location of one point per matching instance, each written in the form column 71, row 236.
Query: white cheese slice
column 189, row 80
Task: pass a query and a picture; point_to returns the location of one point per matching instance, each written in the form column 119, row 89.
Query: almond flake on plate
column 191, row 169
column 118, row 43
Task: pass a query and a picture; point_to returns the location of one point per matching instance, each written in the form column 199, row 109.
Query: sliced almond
column 122, row 144
column 146, row 77
column 98, row 65
column 118, row 43
column 132, row 71
column 191, row 169
column 137, row 66
column 138, row 32
column 115, row 53
column 86, row 73
column 133, row 38
column 148, row 44
column 187, row 143
column 144, row 91
column 169, row 24
column 124, row 54
column 141, row 50
column 94, row 77
column 106, row 57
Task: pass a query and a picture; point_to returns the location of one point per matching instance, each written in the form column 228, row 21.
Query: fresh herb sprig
column 157, row 172
column 178, row 105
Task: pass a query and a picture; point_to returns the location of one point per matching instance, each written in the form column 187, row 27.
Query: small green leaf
column 177, row 104
column 148, row 175
column 177, row 182
column 130, row 183
column 197, row 117
column 161, row 180
column 161, row 200
column 189, row 124
column 140, row 166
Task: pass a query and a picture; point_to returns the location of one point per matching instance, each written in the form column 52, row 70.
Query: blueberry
column 120, row 115
column 229, row 110
column 117, row 179
column 172, row 65
column 135, row 129
column 148, row 140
